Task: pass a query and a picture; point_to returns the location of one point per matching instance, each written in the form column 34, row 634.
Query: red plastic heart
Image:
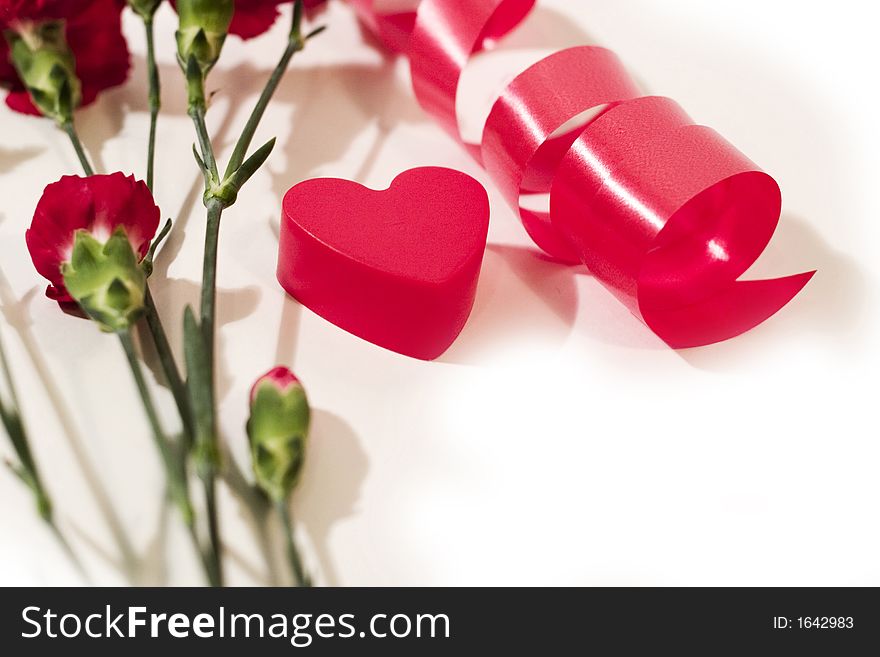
column 397, row 267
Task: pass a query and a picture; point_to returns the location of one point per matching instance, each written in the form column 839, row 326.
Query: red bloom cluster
column 12, row 11
column 98, row 204
column 93, row 29
column 254, row 17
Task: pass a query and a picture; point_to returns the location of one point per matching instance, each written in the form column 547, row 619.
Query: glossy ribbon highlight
column 665, row 213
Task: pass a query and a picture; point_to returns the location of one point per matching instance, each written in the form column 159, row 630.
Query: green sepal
column 46, row 66
column 202, row 31
column 106, row 280
column 146, row 9
column 26, row 469
column 148, row 261
column 227, row 191
column 195, row 83
column 278, row 431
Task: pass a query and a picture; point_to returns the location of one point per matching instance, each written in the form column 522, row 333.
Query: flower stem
column 26, row 470
column 216, row 556
column 295, row 43
column 197, row 114
column 175, row 468
column 155, row 101
column 154, row 322
column 149, row 407
column 299, row 573
column 208, row 317
column 195, row 79
column 69, row 128
column 209, row 279
column 169, row 367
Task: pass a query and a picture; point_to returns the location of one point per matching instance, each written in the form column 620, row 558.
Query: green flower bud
column 278, row 429
column 46, row 66
column 202, row 31
column 146, row 9
column 106, row 280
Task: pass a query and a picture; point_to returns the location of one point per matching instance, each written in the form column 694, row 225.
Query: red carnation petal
column 20, row 101
column 64, row 208
column 313, row 5
column 254, row 17
column 99, row 204
column 95, row 36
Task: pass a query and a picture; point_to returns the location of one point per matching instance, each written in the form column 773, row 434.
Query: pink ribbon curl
column 665, row 213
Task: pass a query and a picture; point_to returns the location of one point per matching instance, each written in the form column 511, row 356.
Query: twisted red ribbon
column 665, row 213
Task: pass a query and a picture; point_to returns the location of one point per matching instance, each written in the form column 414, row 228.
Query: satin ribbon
column 665, row 213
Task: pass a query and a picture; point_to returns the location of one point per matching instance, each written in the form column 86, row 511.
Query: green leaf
column 253, row 163
column 157, row 241
column 315, row 32
column 227, row 193
column 201, row 391
column 201, row 163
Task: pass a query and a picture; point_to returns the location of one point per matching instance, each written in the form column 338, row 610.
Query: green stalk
column 175, row 469
column 209, row 279
column 295, row 43
column 169, row 366
column 220, row 194
column 208, row 318
column 299, row 574
column 177, row 484
column 27, row 470
column 205, row 451
column 71, row 132
column 216, row 555
column 197, row 114
column 154, row 322
column 154, row 99
column 14, row 425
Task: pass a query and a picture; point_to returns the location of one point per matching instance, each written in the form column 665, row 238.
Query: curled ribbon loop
column 665, row 213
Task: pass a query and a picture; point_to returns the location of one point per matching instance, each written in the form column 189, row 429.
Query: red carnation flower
column 97, row 204
column 93, row 29
column 254, row 17
column 12, row 11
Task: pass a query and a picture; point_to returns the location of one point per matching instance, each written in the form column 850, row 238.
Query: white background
column 558, row 442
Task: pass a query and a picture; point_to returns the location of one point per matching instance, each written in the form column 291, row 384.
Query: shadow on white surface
column 11, row 158
column 522, row 296
column 97, row 124
column 368, row 98
column 173, row 296
column 328, row 493
column 288, row 331
column 331, row 487
column 17, row 315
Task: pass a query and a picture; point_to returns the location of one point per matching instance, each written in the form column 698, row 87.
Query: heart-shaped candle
column 398, row 267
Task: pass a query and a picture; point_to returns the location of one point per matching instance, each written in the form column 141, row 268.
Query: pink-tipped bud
column 277, row 429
